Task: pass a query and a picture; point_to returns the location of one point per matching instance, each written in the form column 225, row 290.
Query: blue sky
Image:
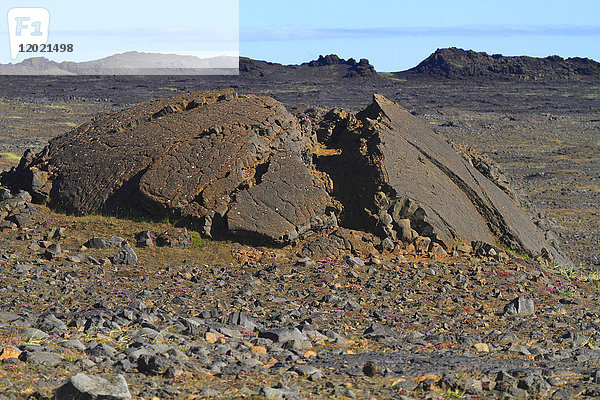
column 396, row 35
column 393, row 35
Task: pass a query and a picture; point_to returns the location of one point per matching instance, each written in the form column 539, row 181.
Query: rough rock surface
column 330, row 65
column 401, row 170
column 456, row 63
column 287, row 198
column 188, row 157
column 82, row 386
column 244, row 165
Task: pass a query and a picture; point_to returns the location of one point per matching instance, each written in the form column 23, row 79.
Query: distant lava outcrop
column 244, row 166
column 330, row 65
column 454, row 63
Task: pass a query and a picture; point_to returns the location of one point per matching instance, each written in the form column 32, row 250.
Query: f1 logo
column 27, row 26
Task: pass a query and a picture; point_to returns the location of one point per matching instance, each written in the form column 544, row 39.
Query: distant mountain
column 454, row 63
column 326, row 66
column 129, row 63
column 135, row 63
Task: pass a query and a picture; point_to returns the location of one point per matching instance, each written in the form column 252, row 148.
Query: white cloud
column 308, row 33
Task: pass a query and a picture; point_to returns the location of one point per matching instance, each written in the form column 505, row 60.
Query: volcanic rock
column 192, row 157
column 330, row 66
column 125, row 256
column 456, row 63
column 242, row 165
column 520, row 306
column 103, row 242
column 83, row 386
column 402, row 168
column 283, row 206
column 176, row 237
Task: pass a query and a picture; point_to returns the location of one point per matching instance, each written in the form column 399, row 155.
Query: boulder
column 403, row 169
column 243, row 165
column 454, row 63
column 193, row 157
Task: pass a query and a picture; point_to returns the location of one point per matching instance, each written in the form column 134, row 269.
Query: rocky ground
column 266, row 323
column 223, row 320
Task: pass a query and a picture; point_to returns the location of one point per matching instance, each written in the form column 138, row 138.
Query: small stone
column 23, row 268
column 104, row 243
column 242, row 319
column 91, row 387
column 53, row 251
column 407, row 234
column 208, row 392
column 45, row 358
column 306, row 262
column 310, row 353
column 481, row 347
column 517, row 348
column 259, row 350
column 8, row 316
column 50, row 323
column 101, row 350
column 272, row 393
column 9, row 352
column 520, row 306
column 212, row 337
column 422, row 243
column 370, row 369
column 344, row 392
column 351, row 305
column 31, row 334
column 76, row 258
column 388, row 244
column 251, row 362
column 125, row 256
column 464, row 249
column 438, row 250
column 282, row 335
column 152, row 365
column 72, row 344
column 354, row 261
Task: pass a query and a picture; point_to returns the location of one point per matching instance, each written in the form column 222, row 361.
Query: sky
column 393, row 35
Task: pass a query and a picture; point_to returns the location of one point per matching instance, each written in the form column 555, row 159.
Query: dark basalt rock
column 330, row 66
column 362, row 68
column 456, row 63
column 243, row 165
column 83, row 386
column 402, row 170
column 192, row 157
column 287, row 203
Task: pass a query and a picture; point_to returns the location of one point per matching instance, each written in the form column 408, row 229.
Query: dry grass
column 8, row 160
column 81, row 228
